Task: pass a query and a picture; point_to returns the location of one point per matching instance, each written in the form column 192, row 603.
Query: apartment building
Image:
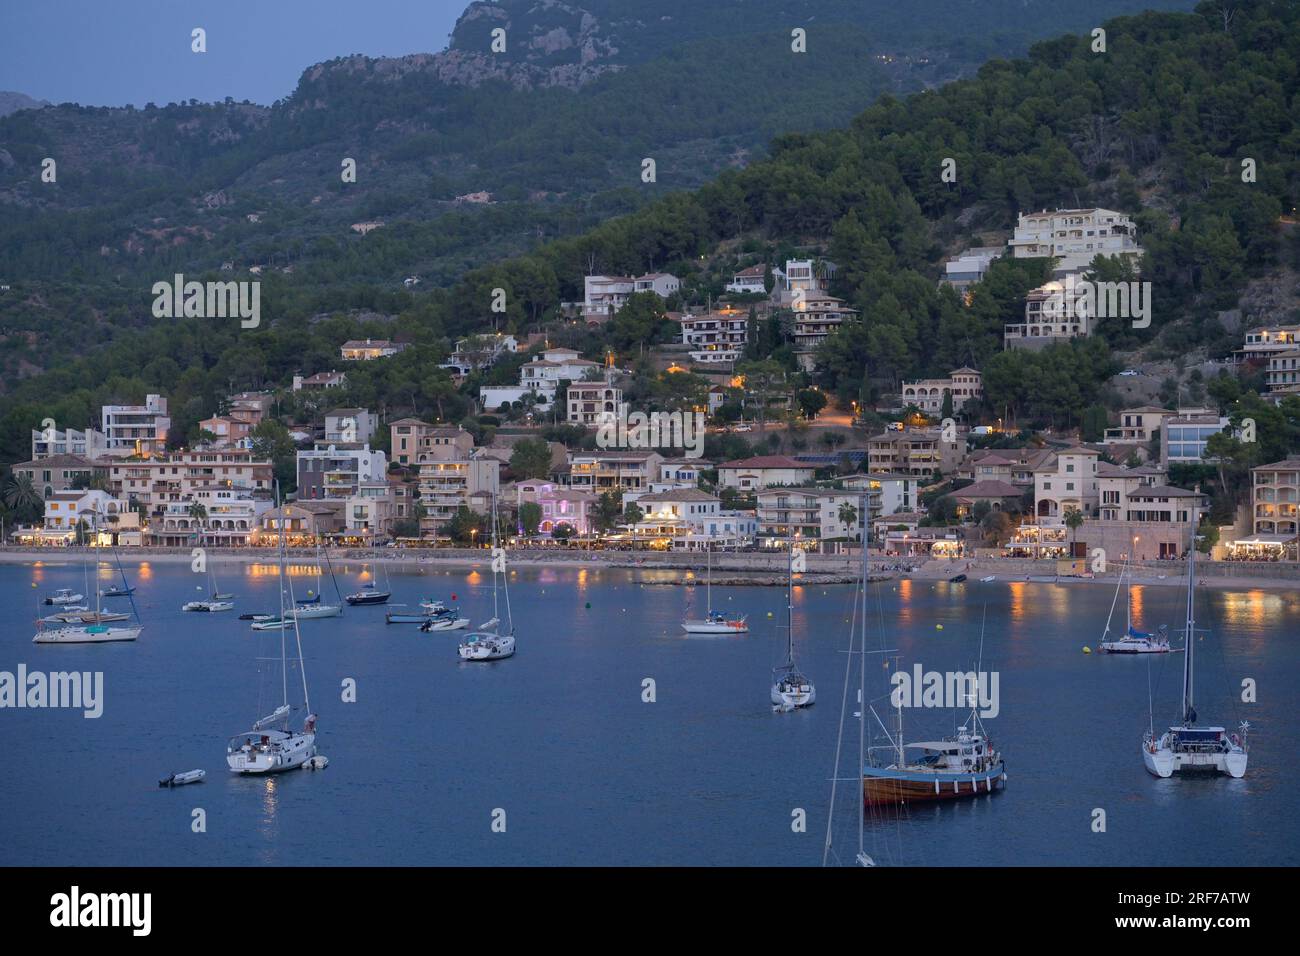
column 1068, row 481
column 964, row 385
column 1137, row 426
column 136, row 429
column 603, row 295
column 413, row 440
column 764, row 471
column 336, row 471
column 919, row 452
column 229, row 518
column 715, row 338
column 811, row 516
column 885, row 494
column 93, row 509
column 89, row 443
column 1265, row 340
column 1074, row 237
column 447, row 485
column 183, row 476
column 350, row 426
column 817, row 316
column 58, row 473
column 600, row 471
column 479, row 352
column 749, row 280
column 559, row 506
column 1183, row 436
column 368, row 516
column 1283, row 374
column 1275, row 513
column 590, row 403
column 1053, row 313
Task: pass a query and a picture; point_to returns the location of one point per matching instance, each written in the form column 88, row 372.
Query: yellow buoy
column 938, row 627
column 1087, row 649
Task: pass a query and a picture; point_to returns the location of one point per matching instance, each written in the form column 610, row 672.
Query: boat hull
column 311, row 612
column 885, row 787
column 715, row 627
column 86, row 635
column 490, row 649
column 293, row 754
column 1164, row 763
column 791, row 700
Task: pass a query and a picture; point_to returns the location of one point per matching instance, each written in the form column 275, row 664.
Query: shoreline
column 731, row 569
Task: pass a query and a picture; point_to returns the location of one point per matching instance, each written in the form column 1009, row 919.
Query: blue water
column 588, row 773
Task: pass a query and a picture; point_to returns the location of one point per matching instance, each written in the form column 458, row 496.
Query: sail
column 280, row 714
column 1134, row 632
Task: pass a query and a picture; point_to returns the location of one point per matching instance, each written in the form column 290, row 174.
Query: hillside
column 1157, row 127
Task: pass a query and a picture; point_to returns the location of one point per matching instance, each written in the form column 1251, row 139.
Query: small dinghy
column 252, row 616
column 957, row 580
column 114, row 590
column 990, row 577
column 180, row 779
column 318, row 762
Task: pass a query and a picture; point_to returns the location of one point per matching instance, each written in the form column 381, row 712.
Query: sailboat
column 91, row 630
column 270, row 746
column 862, row 858
column 959, row 766
column 1186, row 747
column 1133, row 641
column 790, row 688
column 306, row 610
column 714, row 623
column 369, row 594
column 217, row 601
column 488, row 643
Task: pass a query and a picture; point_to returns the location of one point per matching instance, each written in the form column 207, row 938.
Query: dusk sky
column 113, row 52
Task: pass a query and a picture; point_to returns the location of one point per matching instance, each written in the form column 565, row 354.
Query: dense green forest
column 1157, row 126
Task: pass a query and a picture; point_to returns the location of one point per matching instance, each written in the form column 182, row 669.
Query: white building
column 1183, row 436
column 1074, row 236
column 748, row 280
column 1053, row 313
column 1137, row 426
column 89, row 444
column 229, row 519
column 763, row 471
column 963, row 384
column 605, row 295
column 337, row 471
column 367, row 350
column 809, row 515
column 816, row 317
column 350, row 425
column 479, row 352
column 715, row 337
column 970, row 266
column 1065, row 482
column 131, row 429
column 98, row 509
column 885, row 494
column 540, row 378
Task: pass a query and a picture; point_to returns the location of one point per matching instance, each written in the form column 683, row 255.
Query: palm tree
column 200, row 516
column 21, row 497
column 848, row 514
column 1073, row 521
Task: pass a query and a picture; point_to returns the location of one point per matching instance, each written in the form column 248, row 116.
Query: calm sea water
column 588, row 773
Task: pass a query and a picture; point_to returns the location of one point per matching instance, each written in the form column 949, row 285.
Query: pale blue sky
column 113, row 52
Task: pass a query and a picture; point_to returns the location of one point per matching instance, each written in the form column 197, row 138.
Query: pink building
column 559, row 506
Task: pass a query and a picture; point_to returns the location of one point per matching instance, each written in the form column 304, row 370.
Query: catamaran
column 1133, row 641
column 790, row 688
column 91, row 629
column 714, row 622
column 270, row 746
column 488, row 643
column 1187, row 747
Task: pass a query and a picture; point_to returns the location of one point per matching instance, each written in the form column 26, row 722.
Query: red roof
column 768, row 461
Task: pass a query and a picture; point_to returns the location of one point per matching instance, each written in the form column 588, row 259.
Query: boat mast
column 284, row 663
column 1189, row 714
column 789, row 609
column 862, row 689
column 1128, row 594
column 708, row 579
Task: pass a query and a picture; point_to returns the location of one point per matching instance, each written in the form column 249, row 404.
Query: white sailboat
column 714, row 623
column 315, row 607
column 862, row 858
column 790, row 688
column 216, row 602
column 1133, row 641
column 488, row 643
column 94, row 630
column 270, row 746
column 1186, row 747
